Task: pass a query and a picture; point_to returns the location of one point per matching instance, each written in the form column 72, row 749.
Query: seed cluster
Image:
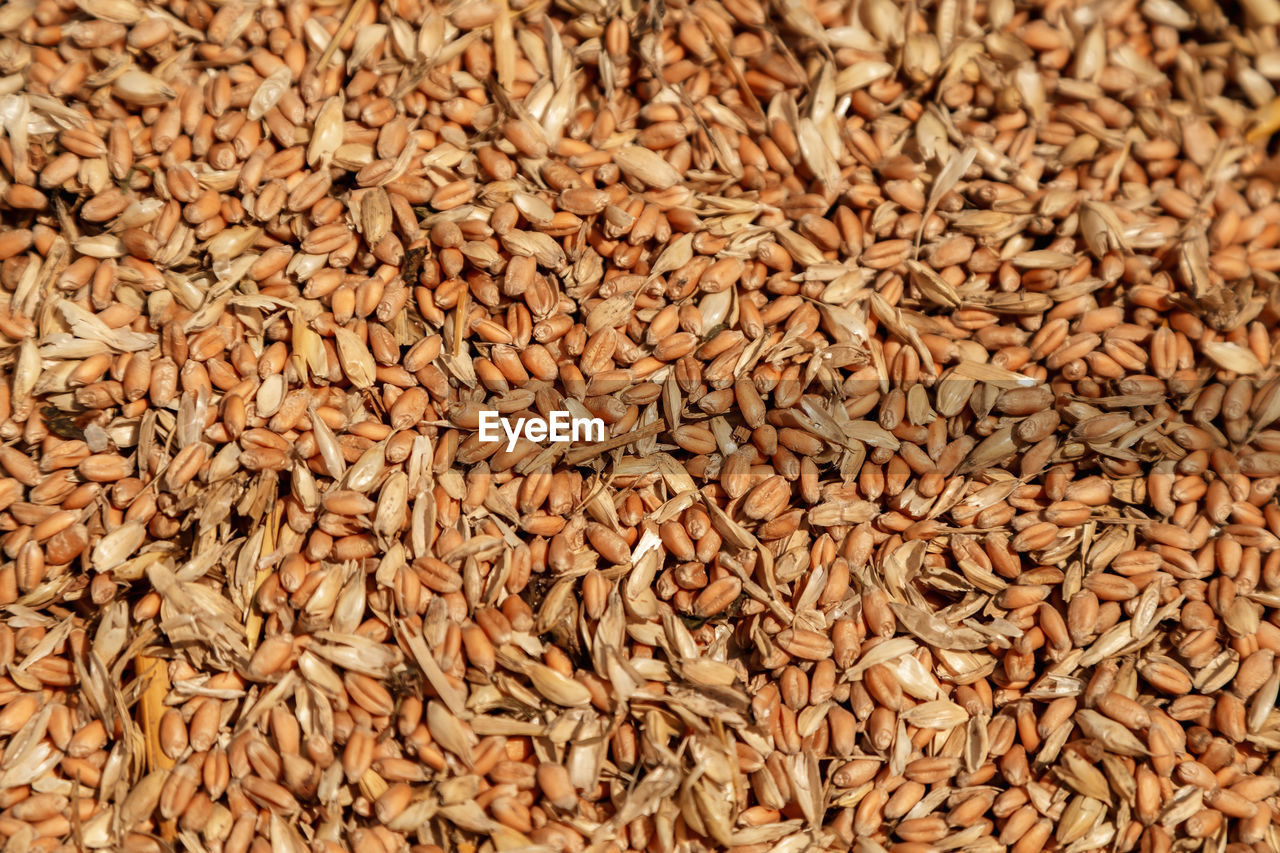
column 936, row 344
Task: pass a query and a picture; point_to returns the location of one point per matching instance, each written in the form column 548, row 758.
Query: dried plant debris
column 933, row 348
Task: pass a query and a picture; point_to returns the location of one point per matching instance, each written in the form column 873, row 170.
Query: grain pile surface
column 934, row 349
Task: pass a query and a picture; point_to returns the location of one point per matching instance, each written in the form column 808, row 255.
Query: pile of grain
column 936, row 344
